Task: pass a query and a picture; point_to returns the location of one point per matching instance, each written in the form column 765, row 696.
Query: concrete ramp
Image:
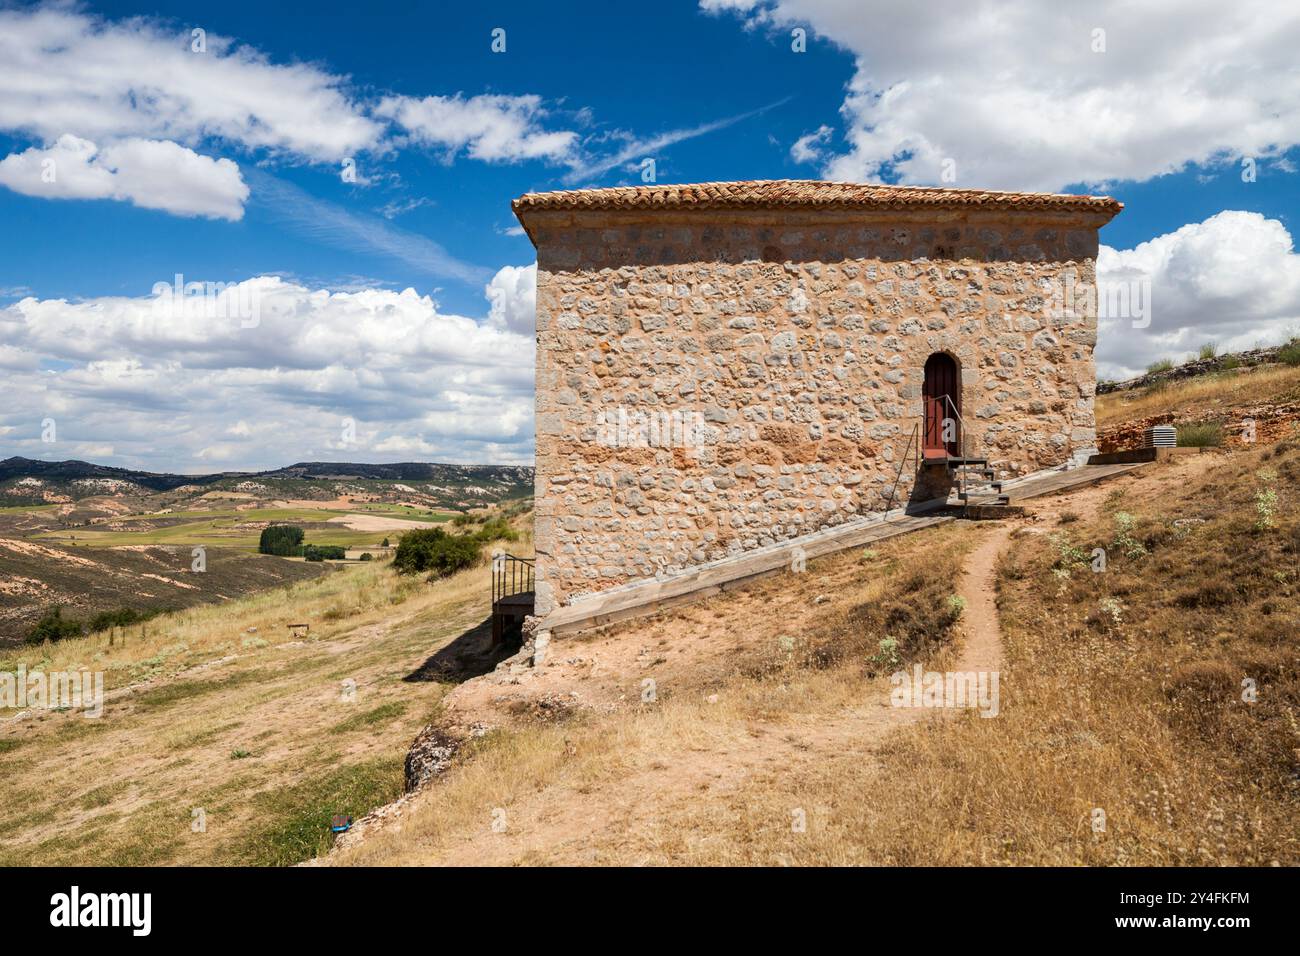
column 638, row 598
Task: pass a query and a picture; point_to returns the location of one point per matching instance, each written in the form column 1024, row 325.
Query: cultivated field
column 113, row 543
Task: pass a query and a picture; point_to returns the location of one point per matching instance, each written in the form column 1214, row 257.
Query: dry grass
column 629, row 786
column 1121, row 693
column 251, row 726
column 1204, row 393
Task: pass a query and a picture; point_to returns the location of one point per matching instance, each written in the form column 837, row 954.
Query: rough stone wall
column 800, row 338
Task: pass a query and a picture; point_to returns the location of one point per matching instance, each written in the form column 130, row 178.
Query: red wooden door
column 942, row 385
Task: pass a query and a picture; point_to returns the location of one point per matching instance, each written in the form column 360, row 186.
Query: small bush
column 435, row 551
column 1289, row 354
column 367, row 556
column 1164, row 365
column 1265, row 508
column 283, row 540
column 1124, row 537
column 121, row 617
column 1200, row 435
column 495, row 529
column 1208, row 351
column 887, row 655
column 53, row 626
column 324, row 552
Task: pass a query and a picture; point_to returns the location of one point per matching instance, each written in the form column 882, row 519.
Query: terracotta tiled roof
column 796, row 193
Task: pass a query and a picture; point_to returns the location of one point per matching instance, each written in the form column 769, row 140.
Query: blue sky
column 224, row 165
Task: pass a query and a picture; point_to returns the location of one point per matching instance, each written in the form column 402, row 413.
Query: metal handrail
column 512, row 575
column 961, row 441
column 898, row 475
column 947, row 407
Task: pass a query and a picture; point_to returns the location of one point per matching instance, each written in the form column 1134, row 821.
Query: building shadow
column 472, row 654
column 930, row 490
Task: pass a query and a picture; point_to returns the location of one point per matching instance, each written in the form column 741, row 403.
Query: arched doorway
column 941, row 395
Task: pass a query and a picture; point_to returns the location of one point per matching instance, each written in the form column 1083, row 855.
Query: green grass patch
column 297, row 818
column 1200, row 435
column 173, row 691
column 203, row 737
column 102, row 796
column 380, row 715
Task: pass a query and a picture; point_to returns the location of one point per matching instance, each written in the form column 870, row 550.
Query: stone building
column 723, row 366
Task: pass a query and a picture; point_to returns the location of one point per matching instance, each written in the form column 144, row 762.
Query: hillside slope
column 1268, row 395
column 36, row 576
column 268, row 733
column 1125, row 734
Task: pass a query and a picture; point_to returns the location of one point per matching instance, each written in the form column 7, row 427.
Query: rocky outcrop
column 1271, row 422
column 430, row 754
column 1191, row 369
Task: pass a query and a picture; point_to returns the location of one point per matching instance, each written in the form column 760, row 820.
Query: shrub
column 1208, row 351
column 1265, row 508
column 324, row 552
column 1124, row 525
column 1164, row 365
column 53, row 626
column 1289, row 354
column 436, row 551
column 367, row 556
column 120, row 617
column 284, row 540
column 1200, row 435
column 887, row 656
column 495, row 529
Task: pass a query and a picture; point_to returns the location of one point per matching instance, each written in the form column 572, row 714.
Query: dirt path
column 981, row 648
column 624, row 814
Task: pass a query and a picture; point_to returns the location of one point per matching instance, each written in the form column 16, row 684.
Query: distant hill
column 67, row 471
column 81, row 479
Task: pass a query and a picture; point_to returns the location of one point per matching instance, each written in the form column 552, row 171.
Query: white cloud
column 1013, row 93
column 152, row 174
column 513, row 295
column 179, row 390
column 64, row 71
column 809, row 147
column 488, row 127
column 1233, row 279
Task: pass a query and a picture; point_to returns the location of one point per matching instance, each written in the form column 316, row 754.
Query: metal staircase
column 978, row 491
